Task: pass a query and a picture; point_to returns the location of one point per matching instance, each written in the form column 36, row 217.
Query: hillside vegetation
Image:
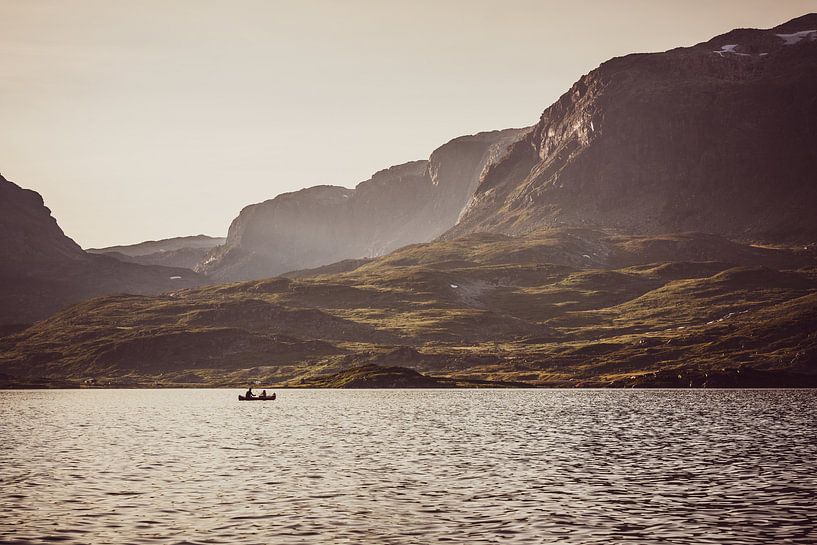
column 558, row 307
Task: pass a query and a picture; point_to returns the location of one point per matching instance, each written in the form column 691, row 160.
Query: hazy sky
column 148, row 119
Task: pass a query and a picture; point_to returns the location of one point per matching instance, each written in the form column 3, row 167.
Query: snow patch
column 797, row 37
column 454, row 286
column 730, row 49
column 175, row 277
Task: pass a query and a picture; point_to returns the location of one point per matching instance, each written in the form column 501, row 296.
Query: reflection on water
column 489, row 466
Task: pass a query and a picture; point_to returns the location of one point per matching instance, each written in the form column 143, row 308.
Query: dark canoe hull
column 268, row 398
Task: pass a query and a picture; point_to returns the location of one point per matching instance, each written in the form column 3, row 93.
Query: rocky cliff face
column 719, row 138
column 43, row 270
column 404, row 204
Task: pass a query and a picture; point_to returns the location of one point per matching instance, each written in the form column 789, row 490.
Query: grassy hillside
column 559, row 307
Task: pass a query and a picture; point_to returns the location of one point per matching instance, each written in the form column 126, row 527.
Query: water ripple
column 409, row 467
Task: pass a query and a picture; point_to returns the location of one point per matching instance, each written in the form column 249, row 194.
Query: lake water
column 409, row 466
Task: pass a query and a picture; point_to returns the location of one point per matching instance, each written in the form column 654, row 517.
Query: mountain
column 655, row 228
column 43, row 270
column 720, row 137
column 717, row 138
column 404, row 204
column 556, row 307
column 184, row 252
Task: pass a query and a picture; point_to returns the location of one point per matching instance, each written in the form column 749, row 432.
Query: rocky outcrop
column 184, row 252
column 718, row 138
column 29, row 233
column 404, row 204
column 43, row 270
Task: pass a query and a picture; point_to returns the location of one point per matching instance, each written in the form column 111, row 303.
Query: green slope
column 555, row 307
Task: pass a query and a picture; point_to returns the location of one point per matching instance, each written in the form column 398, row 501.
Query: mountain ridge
column 713, row 137
column 186, row 252
column 148, row 247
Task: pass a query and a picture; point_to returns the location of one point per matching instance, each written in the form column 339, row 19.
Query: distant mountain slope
column 184, row 252
column 413, row 202
column 164, row 245
column 42, row 270
column 720, row 137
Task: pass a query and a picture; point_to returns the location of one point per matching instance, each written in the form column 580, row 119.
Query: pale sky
column 150, row 119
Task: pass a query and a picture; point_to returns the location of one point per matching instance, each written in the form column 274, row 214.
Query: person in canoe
column 263, row 394
column 249, row 394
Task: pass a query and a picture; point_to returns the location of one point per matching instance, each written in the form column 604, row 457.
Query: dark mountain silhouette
column 43, row 270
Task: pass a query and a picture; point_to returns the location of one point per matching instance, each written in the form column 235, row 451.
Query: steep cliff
column 719, row 138
column 29, row 233
column 404, row 204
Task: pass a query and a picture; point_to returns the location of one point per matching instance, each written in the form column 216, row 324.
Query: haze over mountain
column 413, row 202
column 718, row 138
column 117, row 111
column 43, row 270
column 184, row 252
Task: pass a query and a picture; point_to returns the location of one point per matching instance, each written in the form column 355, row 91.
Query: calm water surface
column 489, row 466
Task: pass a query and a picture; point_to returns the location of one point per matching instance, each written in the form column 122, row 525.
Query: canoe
column 268, row 398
